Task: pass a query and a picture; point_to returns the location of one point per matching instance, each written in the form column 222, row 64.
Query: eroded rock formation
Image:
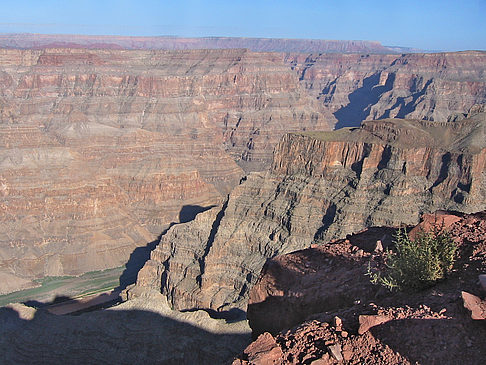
column 369, row 86
column 101, row 150
column 321, row 186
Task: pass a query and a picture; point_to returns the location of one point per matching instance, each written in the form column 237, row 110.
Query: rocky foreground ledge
column 317, row 306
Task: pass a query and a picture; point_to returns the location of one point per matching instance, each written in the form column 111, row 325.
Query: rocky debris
column 378, row 246
column 264, row 350
column 382, row 327
column 324, row 186
column 317, row 343
column 475, row 305
column 368, row 321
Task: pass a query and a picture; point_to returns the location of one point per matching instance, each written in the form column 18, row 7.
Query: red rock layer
column 321, row 308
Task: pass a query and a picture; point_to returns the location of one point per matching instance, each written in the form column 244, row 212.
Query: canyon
column 321, row 187
column 104, row 149
column 223, row 168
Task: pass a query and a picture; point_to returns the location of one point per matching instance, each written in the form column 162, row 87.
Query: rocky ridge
column 321, row 186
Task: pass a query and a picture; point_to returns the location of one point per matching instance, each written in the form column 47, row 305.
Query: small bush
column 416, row 264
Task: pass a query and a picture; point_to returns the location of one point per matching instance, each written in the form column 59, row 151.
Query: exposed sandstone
column 323, row 186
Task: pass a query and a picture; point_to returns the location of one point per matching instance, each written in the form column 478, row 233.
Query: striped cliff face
column 321, row 186
column 102, row 149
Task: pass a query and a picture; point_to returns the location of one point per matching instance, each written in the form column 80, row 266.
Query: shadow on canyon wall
column 141, row 255
column 111, row 336
column 361, row 100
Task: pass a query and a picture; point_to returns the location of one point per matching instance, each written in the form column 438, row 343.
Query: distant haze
column 431, row 25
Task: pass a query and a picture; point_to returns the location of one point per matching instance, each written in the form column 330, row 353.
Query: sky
column 430, row 25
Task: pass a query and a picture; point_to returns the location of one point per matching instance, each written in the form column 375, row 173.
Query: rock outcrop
column 372, row 325
column 140, row 331
column 103, row 149
column 322, row 186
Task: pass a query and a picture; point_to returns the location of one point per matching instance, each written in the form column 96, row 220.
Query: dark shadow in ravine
column 313, row 281
column 111, row 337
column 189, row 212
column 361, row 100
column 137, row 260
column 230, row 316
column 141, row 255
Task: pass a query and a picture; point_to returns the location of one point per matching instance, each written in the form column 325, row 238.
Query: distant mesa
column 35, row 41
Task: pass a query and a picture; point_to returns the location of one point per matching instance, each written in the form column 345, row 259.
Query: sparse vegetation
column 416, row 264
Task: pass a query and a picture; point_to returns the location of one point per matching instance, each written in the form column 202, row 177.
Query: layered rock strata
column 369, row 86
column 321, row 186
column 101, row 150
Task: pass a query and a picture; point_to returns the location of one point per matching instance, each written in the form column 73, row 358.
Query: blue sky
column 431, row 25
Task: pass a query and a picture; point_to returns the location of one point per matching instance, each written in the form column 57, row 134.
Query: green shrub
column 416, row 264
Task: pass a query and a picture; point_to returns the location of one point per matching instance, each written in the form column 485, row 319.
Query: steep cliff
column 370, row 86
column 322, row 186
column 101, row 150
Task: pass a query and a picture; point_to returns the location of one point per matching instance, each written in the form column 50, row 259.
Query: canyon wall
column 102, row 150
column 321, row 186
column 357, row 87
